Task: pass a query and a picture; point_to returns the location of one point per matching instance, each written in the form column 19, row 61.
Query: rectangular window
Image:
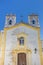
column 21, row 40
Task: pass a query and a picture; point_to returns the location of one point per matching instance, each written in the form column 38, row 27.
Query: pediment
column 21, row 28
column 23, row 25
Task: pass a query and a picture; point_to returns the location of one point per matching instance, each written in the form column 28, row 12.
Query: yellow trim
column 22, row 50
column 21, row 24
column 0, row 48
column 40, row 48
column 15, row 54
column 4, row 46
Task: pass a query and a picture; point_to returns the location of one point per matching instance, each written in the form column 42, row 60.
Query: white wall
column 32, row 43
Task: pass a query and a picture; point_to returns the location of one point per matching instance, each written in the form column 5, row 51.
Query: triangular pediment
column 22, row 24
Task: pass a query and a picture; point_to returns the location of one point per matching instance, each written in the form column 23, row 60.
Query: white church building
column 20, row 43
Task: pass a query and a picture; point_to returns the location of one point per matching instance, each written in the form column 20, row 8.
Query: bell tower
column 10, row 20
column 33, row 20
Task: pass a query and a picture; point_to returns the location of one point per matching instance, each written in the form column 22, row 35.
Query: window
column 33, row 21
column 21, row 40
column 10, row 22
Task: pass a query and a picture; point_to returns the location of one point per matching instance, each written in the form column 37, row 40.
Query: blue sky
column 21, row 7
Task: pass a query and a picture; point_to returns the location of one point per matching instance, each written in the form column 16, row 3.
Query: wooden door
column 21, row 59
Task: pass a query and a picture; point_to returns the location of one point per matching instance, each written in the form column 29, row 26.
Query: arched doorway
column 21, row 59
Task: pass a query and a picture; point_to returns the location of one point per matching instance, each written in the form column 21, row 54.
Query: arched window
column 10, row 22
column 21, row 40
column 33, row 21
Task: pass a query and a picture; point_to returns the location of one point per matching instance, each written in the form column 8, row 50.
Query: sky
column 21, row 8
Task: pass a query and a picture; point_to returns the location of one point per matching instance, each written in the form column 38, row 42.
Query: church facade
column 20, row 43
